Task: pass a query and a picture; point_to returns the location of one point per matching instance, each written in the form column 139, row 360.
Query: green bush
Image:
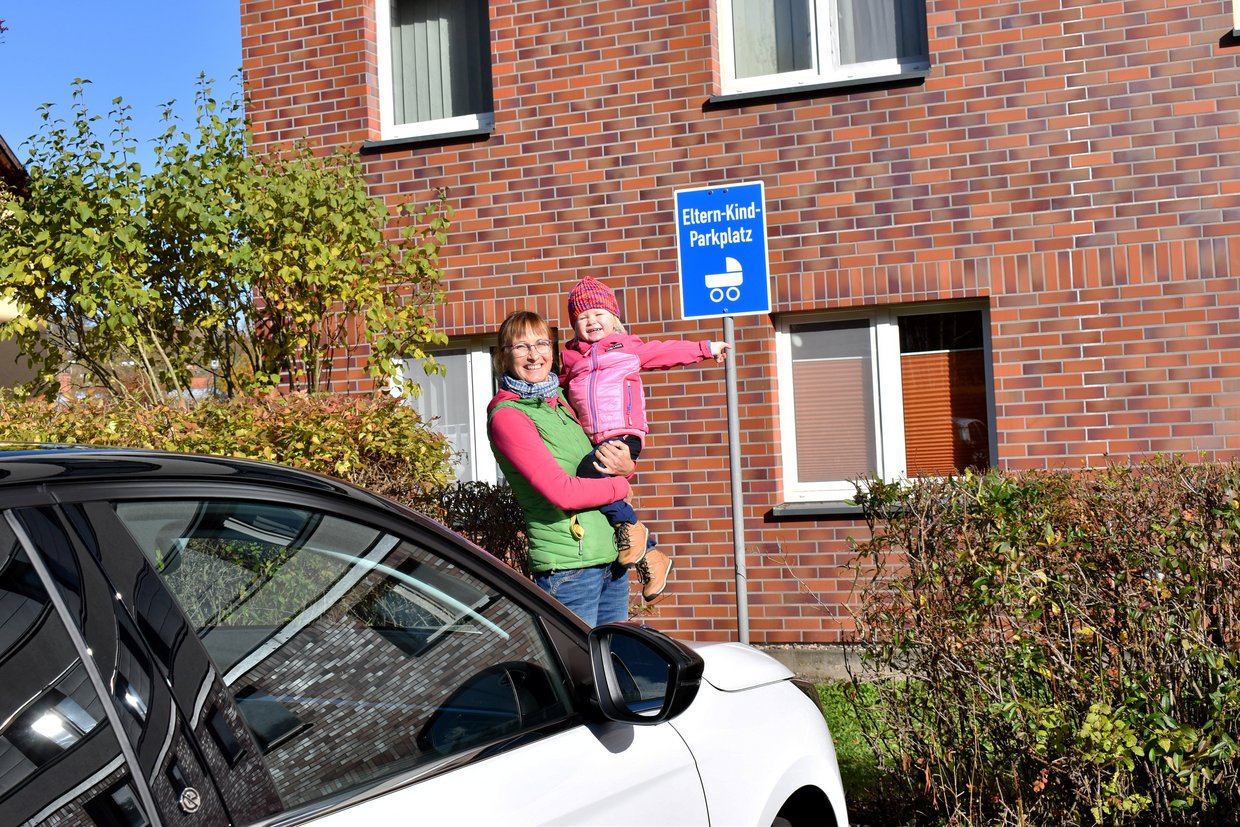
column 1062, row 648
column 372, row 441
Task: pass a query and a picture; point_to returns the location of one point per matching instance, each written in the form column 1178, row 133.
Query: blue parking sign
column 721, row 251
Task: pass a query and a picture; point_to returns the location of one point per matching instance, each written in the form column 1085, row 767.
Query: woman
column 538, row 444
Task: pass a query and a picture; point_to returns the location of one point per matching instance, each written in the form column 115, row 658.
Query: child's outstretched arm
column 673, row 353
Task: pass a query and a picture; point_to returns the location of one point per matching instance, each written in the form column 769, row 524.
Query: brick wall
column 1072, row 163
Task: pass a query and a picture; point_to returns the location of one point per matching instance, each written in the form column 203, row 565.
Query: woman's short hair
column 518, row 324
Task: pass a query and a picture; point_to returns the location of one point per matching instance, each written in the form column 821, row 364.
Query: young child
column 601, row 375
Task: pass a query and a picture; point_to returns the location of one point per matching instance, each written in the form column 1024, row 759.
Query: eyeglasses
column 522, row 349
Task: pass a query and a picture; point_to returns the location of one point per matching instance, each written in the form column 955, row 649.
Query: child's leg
column 617, row 512
column 633, row 444
column 586, row 468
column 632, row 538
column 653, row 566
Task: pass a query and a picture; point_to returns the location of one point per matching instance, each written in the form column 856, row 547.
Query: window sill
column 426, row 140
column 811, row 88
column 824, row 508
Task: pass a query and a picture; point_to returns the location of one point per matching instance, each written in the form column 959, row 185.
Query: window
column 353, row 655
column 784, row 44
column 455, row 404
column 434, row 67
column 894, row 393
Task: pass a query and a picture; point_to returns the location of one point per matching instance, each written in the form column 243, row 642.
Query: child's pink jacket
column 603, row 381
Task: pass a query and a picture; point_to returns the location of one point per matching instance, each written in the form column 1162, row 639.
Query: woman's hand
column 720, row 351
column 613, row 459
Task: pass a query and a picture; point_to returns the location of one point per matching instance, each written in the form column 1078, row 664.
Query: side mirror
column 642, row 676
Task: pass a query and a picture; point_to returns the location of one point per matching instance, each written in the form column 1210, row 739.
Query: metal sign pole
column 724, row 270
column 738, row 505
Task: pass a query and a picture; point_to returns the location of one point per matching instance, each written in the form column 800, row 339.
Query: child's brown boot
column 631, row 542
column 652, row 571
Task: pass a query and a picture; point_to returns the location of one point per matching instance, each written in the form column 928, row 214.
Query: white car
column 204, row 641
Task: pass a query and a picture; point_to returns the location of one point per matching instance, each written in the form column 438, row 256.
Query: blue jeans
column 597, row 594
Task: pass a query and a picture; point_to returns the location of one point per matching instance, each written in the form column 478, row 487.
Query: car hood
column 731, row 667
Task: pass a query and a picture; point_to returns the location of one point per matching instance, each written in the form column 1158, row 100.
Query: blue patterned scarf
column 546, row 389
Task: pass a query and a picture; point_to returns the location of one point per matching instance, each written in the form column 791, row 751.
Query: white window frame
column 826, row 69
column 389, row 129
column 479, row 386
column 890, row 455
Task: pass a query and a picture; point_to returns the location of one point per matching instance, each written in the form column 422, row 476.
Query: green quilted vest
column 552, row 544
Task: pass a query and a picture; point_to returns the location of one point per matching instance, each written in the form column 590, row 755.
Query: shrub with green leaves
column 372, row 441
column 1062, row 648
column 261, row 269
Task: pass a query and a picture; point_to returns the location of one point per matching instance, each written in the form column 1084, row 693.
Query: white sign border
column 766, row 249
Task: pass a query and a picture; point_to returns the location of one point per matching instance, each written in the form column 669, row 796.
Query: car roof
column 42, row 465
column 23, row 465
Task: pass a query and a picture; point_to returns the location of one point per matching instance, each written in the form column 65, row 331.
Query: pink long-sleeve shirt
column 516, row 437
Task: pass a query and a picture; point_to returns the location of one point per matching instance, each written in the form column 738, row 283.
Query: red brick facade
column 1072, row 164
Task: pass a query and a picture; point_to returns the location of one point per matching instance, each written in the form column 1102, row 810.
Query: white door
column 614, row 774
column 366, row 664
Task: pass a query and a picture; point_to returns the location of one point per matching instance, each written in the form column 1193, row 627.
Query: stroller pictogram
column 726, row 283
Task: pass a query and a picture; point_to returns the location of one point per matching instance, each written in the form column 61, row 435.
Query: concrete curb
column 817, row 663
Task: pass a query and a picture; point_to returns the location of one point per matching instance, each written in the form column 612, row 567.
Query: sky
column 146, row 52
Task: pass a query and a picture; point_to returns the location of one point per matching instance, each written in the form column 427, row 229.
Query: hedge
column 371, row 441
column 1057, row 648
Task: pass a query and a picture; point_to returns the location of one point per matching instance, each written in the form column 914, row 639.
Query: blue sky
column 145, row 51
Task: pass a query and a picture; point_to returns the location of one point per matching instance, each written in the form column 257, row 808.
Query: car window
column 60, row 760
column 352, row 654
